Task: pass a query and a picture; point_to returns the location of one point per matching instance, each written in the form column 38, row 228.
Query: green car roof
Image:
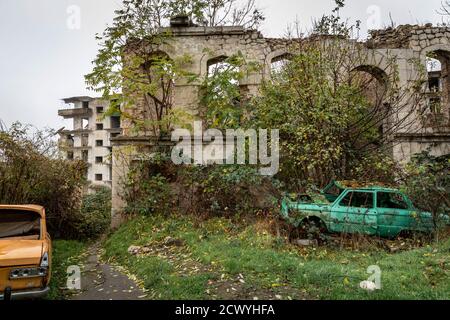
column 372, row 186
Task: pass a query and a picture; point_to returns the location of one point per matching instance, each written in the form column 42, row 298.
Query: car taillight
column 44, row 261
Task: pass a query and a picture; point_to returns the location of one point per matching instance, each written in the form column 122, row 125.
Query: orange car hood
column 20, row 252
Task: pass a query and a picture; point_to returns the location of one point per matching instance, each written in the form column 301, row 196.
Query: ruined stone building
column 208, row 46
column 89, row 139
column 430, row 46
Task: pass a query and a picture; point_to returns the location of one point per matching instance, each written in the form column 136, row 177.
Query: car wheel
column 312, row 229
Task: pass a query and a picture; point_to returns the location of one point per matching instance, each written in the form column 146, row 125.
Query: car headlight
column 22, row 273
column 44, row 261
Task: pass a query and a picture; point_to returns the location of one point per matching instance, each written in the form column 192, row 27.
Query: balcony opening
column 70, row 141
column 115, row 122
column 85, row 155
column 85, row 140
column 85, row 124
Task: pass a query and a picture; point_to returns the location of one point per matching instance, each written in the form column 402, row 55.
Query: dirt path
column 101, row 281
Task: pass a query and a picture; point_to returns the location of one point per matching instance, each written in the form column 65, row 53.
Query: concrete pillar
column 121, row 161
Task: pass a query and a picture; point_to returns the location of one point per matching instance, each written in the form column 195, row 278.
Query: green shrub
column 227, row 190
column 31, row 172
column 95, row 214
column 427, row 182
column 158, row 186
column 152, row 196
column 147, row 189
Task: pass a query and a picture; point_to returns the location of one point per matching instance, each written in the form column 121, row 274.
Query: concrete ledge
column 424, row 137
column 203, row 31
column 72, row 113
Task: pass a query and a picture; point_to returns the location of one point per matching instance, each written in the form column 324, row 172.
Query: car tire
column 312, row 229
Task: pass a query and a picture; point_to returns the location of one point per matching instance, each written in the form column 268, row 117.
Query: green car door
column 395, row 214
column 354, row 212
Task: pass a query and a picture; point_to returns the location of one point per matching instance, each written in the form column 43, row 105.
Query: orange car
column 25, row 252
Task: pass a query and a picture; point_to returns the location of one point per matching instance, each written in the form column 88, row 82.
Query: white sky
column 43, row 60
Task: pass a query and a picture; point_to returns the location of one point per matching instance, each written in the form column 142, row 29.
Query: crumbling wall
column 413, row 37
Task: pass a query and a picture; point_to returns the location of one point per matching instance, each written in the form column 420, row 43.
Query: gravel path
column 101, row 281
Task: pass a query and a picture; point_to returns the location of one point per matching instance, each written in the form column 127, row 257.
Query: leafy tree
column 337, row 116
column 130, row 70
column 31, row 172
column 333, row 24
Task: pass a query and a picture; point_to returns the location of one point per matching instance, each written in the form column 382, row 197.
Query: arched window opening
column 224, row 79
column 438, row 89
column 222, row 66
column 223, row 92
column 372, row 83
column 157, row 82
column 278, row 64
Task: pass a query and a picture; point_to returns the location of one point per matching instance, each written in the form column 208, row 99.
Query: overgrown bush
column 158, row 186
column 95, row 214
column 152, row 196
column 427, row 182
column 147, row 189
column 229, row 191
column 31, row 172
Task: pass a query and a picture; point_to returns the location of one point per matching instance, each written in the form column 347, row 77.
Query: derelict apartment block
column 89, row 139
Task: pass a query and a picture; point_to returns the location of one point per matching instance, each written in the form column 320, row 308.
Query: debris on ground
column 306, row 243
column 368, row 285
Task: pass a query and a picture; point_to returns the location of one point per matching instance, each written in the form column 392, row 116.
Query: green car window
column 358, row 200
column 391, row 200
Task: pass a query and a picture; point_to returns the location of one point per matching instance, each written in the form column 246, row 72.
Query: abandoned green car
column 345, row 207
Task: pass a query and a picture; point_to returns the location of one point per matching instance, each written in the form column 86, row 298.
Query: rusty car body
column 346, row 207
column 25, row 252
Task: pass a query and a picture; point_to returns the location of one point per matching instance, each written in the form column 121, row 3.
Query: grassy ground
column 217, row 259
column 65, row 254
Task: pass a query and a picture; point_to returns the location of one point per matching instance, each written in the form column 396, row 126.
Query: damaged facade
column 89, row 139
column 431, row 47
column 211, row 45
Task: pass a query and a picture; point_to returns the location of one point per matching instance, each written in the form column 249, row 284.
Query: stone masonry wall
column 210, row 44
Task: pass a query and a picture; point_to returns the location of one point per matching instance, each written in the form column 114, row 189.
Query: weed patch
column 221, row 260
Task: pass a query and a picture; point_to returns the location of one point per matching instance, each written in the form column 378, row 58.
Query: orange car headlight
column 45, row 261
